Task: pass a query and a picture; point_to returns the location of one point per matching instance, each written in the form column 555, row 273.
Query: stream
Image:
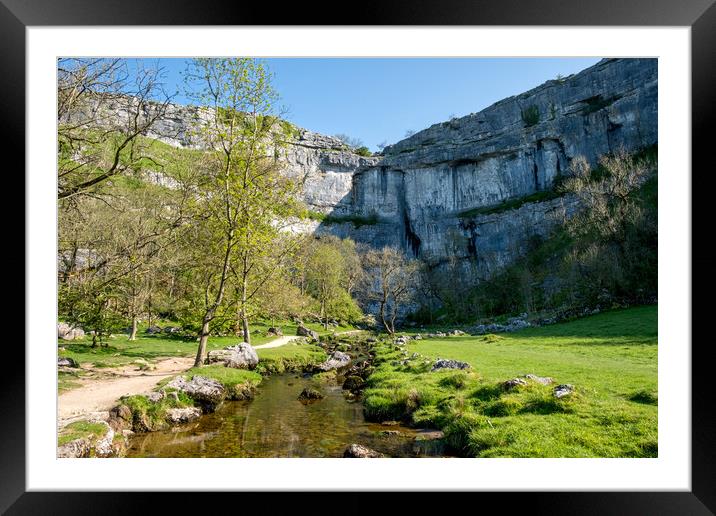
column 276, row 424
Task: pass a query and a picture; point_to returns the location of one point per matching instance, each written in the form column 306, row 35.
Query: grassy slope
column 611, row 358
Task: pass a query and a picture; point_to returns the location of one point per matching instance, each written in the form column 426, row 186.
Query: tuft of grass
column 530, row 115
column 148, row 416
column 645, row 397
column 80, row 430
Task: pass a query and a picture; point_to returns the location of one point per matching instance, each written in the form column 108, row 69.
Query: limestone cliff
column 426, row 192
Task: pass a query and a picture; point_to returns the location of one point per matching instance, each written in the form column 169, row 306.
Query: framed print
column 437, row 244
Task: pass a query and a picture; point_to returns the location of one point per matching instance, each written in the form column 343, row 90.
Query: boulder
column 152, row 330
column 171, row 329
column 241, row 356
column 120, row 418
column 560, row 391
column 442, row 363
column 67, row 362
column 310, row 394
column 276, row 332
column 335, row 360
column 514, row 382
column 303, row 331
column 357, row 451
column 67, row 332
column 353, row 383
column 200, row 388
column 177, row 416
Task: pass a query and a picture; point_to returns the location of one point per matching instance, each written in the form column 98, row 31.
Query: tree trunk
column 133, row 335
column 244, row 317
column 203, row 338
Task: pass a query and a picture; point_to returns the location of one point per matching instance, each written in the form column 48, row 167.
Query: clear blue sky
column 378, row 99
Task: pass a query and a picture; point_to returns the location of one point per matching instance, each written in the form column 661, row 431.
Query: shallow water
column 276, row 424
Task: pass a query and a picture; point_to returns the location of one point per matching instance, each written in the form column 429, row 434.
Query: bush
column 363, row 151
column 530, row 115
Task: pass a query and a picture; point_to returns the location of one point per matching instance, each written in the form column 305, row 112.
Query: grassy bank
column 121, row 351
column 610, row 358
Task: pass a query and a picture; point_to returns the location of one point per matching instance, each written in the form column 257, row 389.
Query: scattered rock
column 303, row 331
column 514, row 382
column 357, row 451
column 241, row 356
column 153, row 330
column 182, row 415
column 562, row 390
column 310, row 394
column 200, row 388
column 353, row 383
column 335, row 360
column 67, row 332
column 171, row 329
column 389, row 433
column 442, row 363
column 544, row 380
column 155, row 396
column 276, row 332
column 67, row 362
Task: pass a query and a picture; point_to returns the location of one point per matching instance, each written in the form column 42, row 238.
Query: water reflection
column 276, row 424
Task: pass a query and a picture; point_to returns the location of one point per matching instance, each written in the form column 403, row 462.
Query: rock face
column 425, row 193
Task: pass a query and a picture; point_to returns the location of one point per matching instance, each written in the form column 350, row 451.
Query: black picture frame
column 700, row 15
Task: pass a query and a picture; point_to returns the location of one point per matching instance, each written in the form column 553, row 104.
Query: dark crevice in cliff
column 412, row 239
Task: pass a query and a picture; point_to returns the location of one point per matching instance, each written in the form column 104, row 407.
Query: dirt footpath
column 100, row 394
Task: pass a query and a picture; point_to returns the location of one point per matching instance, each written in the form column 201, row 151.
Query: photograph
column 356, row 257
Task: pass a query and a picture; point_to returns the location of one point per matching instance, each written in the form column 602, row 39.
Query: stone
column 155, row 396
column 353, row 383
column 357, row 451
column 514, row 382
column 336, row 360
column 303, row 331
column 67, row 332
column 200, row 388
column 429, row 435
column 442, row 363
column 171, row 329
column 153, row 330
column 276, row 332
column 562, row 390
column 310, row 394
column 241, row 356
column 544, row 380
column 67, row 362
column 182, row 415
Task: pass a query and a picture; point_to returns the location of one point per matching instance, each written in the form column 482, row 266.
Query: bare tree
column 391, row 280
column 103, row 110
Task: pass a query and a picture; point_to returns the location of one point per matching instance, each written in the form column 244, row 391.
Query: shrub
column 363, row 151
column 530, row 115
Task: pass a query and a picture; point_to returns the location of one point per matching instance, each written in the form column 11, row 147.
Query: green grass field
column 122, row 351
column 610, row 358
